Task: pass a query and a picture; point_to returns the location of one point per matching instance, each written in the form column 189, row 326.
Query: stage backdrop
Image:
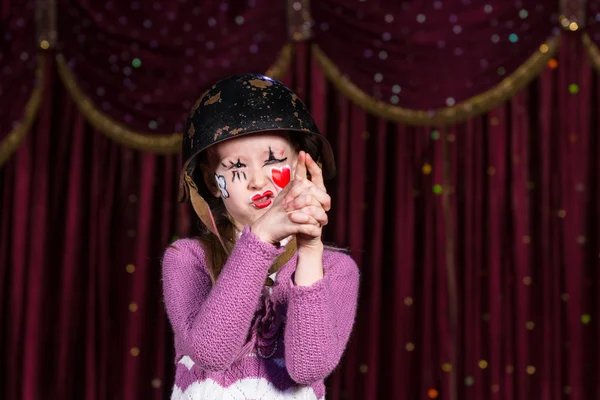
column 468, row 188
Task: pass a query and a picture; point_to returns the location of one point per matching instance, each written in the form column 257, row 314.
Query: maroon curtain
column 478, row 243
column 427, row 55
column 18, row 61
column 144, row 63
column 84, row 222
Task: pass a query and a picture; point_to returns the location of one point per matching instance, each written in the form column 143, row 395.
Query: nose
column 258, row 179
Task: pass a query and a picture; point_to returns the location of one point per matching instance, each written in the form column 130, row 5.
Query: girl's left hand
column 307, row 200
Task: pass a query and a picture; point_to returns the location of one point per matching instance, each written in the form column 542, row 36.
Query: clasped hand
column 300, row 208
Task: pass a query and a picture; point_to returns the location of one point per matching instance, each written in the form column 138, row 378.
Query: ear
column 209, row 180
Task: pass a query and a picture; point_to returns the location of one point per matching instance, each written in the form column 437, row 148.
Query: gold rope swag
column 155, row 143
column 476, row 105
column 14, row 138
column 592, row 50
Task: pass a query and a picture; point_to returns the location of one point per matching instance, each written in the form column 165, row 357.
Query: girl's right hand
column 275, row 225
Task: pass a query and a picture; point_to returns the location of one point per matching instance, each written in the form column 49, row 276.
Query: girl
column 260, row 308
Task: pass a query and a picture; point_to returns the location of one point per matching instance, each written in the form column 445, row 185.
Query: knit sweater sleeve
column 211, row 323
column 320, row 318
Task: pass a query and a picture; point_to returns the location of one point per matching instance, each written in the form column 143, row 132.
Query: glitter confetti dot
column 435, row 135
column 421, row 18
column 487, row 8
column 544, row 48
column 409, row 346
column 469, row 381
column 573, row 88
column 408, row 301
column 447, row 367
column 432, row 393
column 510, row 369
column 483, row 364
column 136, row 63
column 527, row 280
column 513, row 38
column 130, row 268
column 44, row 44
column 396, row 89
column 426, row 169
column 438, row 189
column 530, row 369
column 156, row 383
column 585, row 319
column 450, row 101
column 562, row 213
column 501, row 71
column 364, row 368
column 378, row 77
column 552, row 63
column 523, row 13
column 567, row 390
column 134, row 351
column 133, row 307
column 530, row 325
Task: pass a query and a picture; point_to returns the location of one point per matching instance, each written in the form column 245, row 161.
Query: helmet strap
column 202, row 209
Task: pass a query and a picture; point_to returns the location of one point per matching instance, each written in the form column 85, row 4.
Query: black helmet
column 245, row 104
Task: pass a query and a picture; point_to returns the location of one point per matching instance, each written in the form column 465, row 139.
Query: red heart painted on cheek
column 281, row 176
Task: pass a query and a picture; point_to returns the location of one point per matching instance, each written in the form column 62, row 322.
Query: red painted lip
column 256, row 199
column 258, row 196
column 263, row 205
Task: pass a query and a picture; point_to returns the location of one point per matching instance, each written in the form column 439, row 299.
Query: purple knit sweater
column 241, row 340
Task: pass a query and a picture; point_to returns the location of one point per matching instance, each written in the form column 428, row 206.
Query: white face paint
column 222, row 185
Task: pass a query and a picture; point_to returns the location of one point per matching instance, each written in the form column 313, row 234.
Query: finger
column 312, row 197
column 316, row 174
column 296, row 188
column 294, row 202
column 310, row 214
column 308, row 230
column 300, row 171
column 300, row 217
column 281, row 195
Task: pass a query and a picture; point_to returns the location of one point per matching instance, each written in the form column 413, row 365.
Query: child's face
column 249, row 172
